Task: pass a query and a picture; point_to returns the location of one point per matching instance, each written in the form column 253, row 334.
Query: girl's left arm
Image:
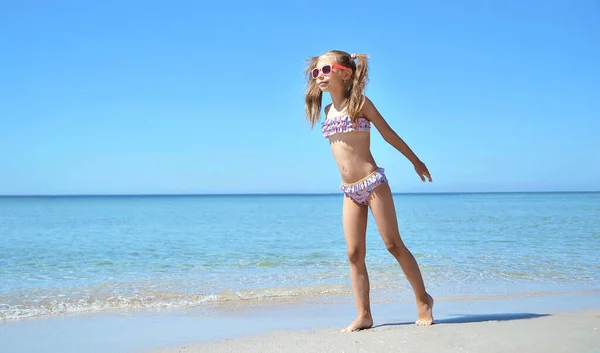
column 370, row 112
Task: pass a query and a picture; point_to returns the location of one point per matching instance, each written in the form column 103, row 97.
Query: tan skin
column 355, row 161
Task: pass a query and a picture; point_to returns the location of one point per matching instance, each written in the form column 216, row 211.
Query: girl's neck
column 338, row 100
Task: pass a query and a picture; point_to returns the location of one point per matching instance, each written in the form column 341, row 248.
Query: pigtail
column 360, row 77
column 314, row 95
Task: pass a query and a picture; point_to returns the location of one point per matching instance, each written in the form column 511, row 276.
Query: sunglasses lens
column 326, row 69
column 315, row 73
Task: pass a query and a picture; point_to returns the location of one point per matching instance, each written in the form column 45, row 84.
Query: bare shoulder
column 327, row 107
column 370, row 112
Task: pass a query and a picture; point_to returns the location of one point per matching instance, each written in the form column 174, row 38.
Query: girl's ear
column 348, row 74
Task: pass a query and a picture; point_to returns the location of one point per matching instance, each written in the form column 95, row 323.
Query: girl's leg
column 384, row 212
column 355, row 229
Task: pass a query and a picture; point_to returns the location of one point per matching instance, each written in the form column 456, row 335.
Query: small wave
column 99, row 300
column 264, row 263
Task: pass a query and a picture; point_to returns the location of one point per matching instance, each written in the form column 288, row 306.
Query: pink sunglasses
column 326, row 69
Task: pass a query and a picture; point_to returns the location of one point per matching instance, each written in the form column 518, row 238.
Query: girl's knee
column 396, row 247
column 356, row 255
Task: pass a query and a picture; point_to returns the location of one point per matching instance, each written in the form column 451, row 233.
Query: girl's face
column 330, row 76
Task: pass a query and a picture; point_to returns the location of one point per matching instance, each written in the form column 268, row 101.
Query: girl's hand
column 421, row 169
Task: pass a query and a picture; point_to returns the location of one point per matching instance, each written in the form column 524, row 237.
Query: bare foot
column 424, row 311
column 360, row 323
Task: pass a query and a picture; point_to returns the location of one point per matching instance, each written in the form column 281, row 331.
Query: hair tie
column 353, row 56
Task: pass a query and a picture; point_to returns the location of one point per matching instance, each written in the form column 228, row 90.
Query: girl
column 347, row 126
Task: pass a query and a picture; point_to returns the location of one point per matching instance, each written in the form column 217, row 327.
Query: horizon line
column 296, row 194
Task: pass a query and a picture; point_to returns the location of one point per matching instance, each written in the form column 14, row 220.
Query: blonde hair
column 355, row 94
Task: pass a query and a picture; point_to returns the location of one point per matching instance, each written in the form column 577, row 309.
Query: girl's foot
column 424, row 311
column 360, row 323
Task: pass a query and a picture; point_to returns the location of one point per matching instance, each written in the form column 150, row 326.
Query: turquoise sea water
column 90, row 254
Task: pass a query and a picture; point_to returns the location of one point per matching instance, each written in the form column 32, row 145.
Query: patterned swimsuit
column 360, row 190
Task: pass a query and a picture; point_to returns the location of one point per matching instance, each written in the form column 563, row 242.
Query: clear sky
column 132, row 97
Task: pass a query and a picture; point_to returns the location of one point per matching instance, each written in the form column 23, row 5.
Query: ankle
column 365, row 314
column 423, row 298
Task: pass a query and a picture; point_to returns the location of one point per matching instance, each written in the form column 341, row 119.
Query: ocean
column 88, row 254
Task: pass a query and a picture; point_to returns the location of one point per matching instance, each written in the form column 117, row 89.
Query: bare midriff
column 352, row 154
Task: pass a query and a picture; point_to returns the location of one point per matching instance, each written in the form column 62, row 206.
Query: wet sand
column 560, row 332
column 542, row 322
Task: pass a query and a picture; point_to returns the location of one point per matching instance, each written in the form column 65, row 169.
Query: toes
column 424, row 322
column 350, row 329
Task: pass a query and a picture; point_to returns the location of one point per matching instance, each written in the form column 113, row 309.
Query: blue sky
column 108, row 97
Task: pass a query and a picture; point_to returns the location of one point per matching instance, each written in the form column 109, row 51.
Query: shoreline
column 280, row 297
column 169, row 330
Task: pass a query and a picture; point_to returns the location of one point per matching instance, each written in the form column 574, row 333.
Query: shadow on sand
column 465, row 319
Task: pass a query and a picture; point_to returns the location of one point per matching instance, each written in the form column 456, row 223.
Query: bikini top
column 343, row 124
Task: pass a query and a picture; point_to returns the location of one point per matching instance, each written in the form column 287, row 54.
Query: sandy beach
column 570, row 332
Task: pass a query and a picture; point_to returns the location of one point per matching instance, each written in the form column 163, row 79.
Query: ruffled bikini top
column 343, row 124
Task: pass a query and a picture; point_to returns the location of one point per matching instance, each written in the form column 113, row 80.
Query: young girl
column 364, row 184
